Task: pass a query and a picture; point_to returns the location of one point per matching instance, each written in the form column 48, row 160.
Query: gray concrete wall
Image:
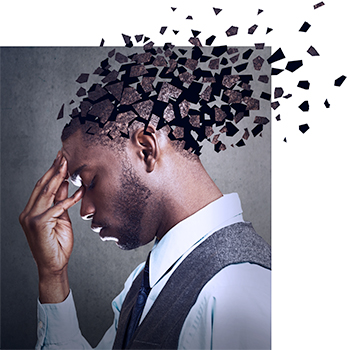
column 34, row 84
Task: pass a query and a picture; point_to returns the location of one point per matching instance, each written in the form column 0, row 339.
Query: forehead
column 81, row 155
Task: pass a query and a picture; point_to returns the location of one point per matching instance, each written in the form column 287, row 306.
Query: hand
column 48, row 229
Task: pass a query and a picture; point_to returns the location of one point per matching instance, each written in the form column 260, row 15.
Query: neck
column 189, row 188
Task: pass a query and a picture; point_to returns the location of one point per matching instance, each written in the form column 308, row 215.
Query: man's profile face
column 115, row 198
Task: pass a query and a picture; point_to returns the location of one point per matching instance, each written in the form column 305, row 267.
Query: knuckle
column 39, row 182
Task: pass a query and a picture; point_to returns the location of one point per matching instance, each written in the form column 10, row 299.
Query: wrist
column 53, row 288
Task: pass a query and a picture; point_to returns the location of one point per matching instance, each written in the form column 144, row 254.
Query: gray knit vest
column 162, row 325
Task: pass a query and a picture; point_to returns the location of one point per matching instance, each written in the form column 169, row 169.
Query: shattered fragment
column 340, row 80
column 292, row 66
column 178, row 132
column 258, row 62
column 265, row 96
column 81, row 92
column 60, row 113
column 223, row 129
column 318, row 5
column 234, row 96
column 304, row 128
column 214, row 64
column 111, row 53
column 268, row 30
column 138, row 38
column 186, row 77
column 191, row 64
column 259, row 46
column 173, row 8
column 112, row 76
column 232, row 31
column 278, row 92
column 326, row 103
column 102, row 110
column 195, row 32
column 240, row 143
column 184, row 107
column 287, row 96
column 84, row 108
column 83, row 78
column 168, row 91
column 238, row 117
column 234, row 59
column 278, row 55
column 206, row 93
column 148, row 46
column 146, row 84
column 102, row 42
column 241, row 67
column 169, row 114
column 209, row 80
column 220, row 115
column 247, row 54
column 116, row 90
column 304, row 106
column 138, row 70
column 215, row 139
column 210, row 40
column 259, row 11
column 263, row 78
column 304, row 84
column 285, row 139
column 172, row 66
column 275, row 105
column 261, row 120
column 229, row 80
column 189, row 17
column 208, row 131
column 142, row 57
column 217, row 10
column 144, row 108
column 252, row 103
column 195, row 42
column 246, row 134
column 252, row 29
column 195, row 120
column 278, row 117
column 97, row 93
column 162, row 30
column 305, row 27
column 127, row 39
column 130, row 95
column 257, row 130
column 312, row 51
column 119, row 57
column 160, row 61
column 276, row 71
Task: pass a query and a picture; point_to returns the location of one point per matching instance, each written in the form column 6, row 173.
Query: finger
column 60, row 207
column 48, row 192
column 62, row 194
column 42, row 182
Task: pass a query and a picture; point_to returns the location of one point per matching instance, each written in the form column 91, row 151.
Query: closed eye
column 92, row 183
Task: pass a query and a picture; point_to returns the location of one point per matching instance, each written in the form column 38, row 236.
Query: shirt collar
column 222, row 212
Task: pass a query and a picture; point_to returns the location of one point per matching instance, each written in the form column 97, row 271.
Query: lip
column 96, row 229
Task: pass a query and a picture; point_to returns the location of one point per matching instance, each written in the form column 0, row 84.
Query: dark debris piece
column 278, row 92
column 252, row 29
column 265, row 96
column 340, row 80
column 276, row 71
column 285, row 139
column 257, row 130
column 240, row 143
column 81, row 92
column 246, row 134
column 112, row 76
column 264, row 79
column 275, row 105
column 127, row 39
column 138, row 37
column 268, row 30
column 111, row 53
column 305, row 27
column 189, row 17
column 259, row 46
column 304, row 128
column 292, row 66
column 173, row 8
column 247, row 54
column 232, row 31
column 312, row 51
column 326, row 103
column 318, row 5
column 60, row 113
column 259, row 11
column 210, row 40
column 102, row 42
column 278, row 117
column 195, row 32
column 241, row 67
column 120, row 58
column 217, row 10
column 162, row 30
column 287, row 96
column 83, row 78
column 261, row 120
column 276, row 56
column 102, row 110
column 304, row 106
column 304, row 84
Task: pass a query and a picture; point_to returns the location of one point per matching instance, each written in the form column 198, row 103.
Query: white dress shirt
column 233, row 310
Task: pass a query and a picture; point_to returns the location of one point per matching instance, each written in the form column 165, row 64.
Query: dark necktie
column 139, row 305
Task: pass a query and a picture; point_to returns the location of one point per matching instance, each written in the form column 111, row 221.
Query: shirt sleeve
column 58, row 326
column 233, row 311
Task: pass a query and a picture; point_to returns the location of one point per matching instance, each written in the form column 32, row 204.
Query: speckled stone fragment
column 195, row 120
column 252, row 103
column 261, row 120
column 178, row 132
column 234, row 96
column 142, row 57
column 113, row 75
column 234, row 59
column 144, row 108
column 138, row 70
column 167, row 90
column 205, row 95
column 246, row 134
column 119, row 57
column 160, row 61
column 252, row 29
column 186, row 77
column 214, row 64
column 146, row 83
column 209, row 131
column 258, row 62
column 232, row 31
column 116, row 90
column 278, row 92
column 191, row 64
column 169, row 114
column 184, row 107
column 220, row 115
column 263, row 78
column 229, row 80
column 102, row 110
column 130, row 95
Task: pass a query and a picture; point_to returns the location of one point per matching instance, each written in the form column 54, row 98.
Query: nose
column 87, row 209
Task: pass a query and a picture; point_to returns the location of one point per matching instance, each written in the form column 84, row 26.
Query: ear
column 147, row 146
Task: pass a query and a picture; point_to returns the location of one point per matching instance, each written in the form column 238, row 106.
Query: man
column 206, row 279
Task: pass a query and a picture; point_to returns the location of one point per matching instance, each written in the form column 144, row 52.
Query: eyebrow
column 77, row 173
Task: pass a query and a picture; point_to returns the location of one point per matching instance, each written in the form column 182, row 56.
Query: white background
column 310, row 174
